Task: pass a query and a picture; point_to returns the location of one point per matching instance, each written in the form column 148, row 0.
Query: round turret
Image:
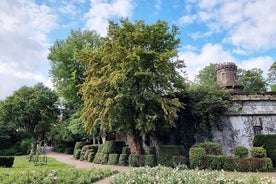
column 226, row 76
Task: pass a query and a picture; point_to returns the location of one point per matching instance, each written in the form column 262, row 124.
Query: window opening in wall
column 257, row 130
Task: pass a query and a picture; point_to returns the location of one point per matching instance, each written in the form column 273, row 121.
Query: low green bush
column 258, row 152
column 87, row 154
column 126, row 150
column 240, row 151
column 113, row 159
column 123, row 159
column 100, row 148
column 211, row 148
column 136, row 160
column 113, row 147
column 268, row 142
column 100, row 158
column 69, row 150
column 150, row 160
column 25, row 145
column 78, row 146
column 90, row 156
column 166, row 153
column 197, row 157
column 84, row 153
column 152, row 151
column 6, row 161
column 93, row 147
column 229, row 163
column 77, row 154
column 214, row 162
column 178, row 160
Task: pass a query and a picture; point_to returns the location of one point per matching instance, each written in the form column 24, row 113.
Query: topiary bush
column 113, row 147
column 179, row 160
column 113, row 159
column 211, row 148
column 215, row 162
column 100, row 158
column 6, row 161
column 126, row 150
column 90, row 156
column 229, row 163
column 166, row 153
column 136, row 160
column 258, row 152
column 197, row 157
column 78, row 146
column 123, row 159
column 240, row 151
column 77, row 154
column 268, row 142
column 150, row 160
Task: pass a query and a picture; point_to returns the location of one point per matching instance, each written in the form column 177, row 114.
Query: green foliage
column 126, row 150
column 90, row 156
column 269, row 143
column 113, row 159
column 240, row 151
column 78, row 146
column 131, row 79
column 6, row 161
column 197, row 157
column 25, row 145
column 100, row 158
column 165, row 175
column 178, row 160
column 136, row 160
column 123, row 159
column 211, row 148
column 252, row 80
column 113, row 147
column 215, row 162
column 207, row 76
column 150, row 160
column 272, row 76
column 258, row 152
column 166, row 153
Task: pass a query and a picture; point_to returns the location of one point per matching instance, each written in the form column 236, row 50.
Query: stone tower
column 226, row 76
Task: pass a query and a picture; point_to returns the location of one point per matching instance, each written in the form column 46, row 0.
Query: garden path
column 68, row 159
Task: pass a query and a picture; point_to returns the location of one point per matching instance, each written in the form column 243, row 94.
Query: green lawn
column 24, row 171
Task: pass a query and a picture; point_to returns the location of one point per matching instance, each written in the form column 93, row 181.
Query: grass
column 24, row 171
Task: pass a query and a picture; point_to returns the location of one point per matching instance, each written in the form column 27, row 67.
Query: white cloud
column 23, row 44
column 102, row 10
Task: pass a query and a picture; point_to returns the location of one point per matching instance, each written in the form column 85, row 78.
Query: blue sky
column 211, row 31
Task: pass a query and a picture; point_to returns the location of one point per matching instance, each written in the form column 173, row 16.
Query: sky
column 211, row 31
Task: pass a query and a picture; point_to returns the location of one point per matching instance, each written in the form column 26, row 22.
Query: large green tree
column 207, row 76
column 252, row 80
column 131, row 79
column 30, row 110
column 272, row 76
column 67, row 74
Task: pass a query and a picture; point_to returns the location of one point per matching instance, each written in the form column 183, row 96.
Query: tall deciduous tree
column 31, row 110
column 252, row 80
column 272, row 76
column 207, row 76
column 131, row 79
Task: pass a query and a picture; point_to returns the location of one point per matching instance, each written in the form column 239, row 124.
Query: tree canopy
column 131, row 79
column 272, row 76
column 207, row 76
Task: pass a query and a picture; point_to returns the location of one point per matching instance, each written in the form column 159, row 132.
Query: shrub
column 113, row 147
column 269, row 144
column 136, row 160
column 87, row 153
column 69, row 150
column 229, row 163
column 77, row 154
column 240, row 151
column 123, row 159
column 91, row 148
column 150, row 160
column 152, row 151
column 178, row 160
column 215, row 162
column 100, row 158
column 78, row 146
column 91, row 156
column 261, row 164
column 25, row 145
column 197, row 157
column 6, row 161
column 166, row 153
column 126, row 150
column 258, row 152
column 211, row 148
column 100, row 148
column 113, row 159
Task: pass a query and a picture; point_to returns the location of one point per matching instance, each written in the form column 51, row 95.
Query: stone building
column 251, row 114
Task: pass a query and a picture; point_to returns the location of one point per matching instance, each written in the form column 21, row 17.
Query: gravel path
column 68, row 159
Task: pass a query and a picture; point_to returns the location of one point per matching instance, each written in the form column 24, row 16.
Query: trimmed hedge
column 113, row 159
column 214, row 162
column 77, row 154
column 113, row 147
column 100, row 158
column 126, row 150
column 78, row 146
column 91, row 156
column 211, row 148
column 123, row 159
column 197, row 157
column 89, row 148
column 179, row 160
column 150, row 160
column 240, row 151
column 166, row 153
column 258, row 152
column 136, row 160
column 269, row 143
column 6, row 161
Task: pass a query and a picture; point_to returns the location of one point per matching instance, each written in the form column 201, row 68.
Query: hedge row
column 6, row 161
column 167, row 155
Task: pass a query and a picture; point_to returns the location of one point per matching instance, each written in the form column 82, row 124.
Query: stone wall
column 251, row 113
